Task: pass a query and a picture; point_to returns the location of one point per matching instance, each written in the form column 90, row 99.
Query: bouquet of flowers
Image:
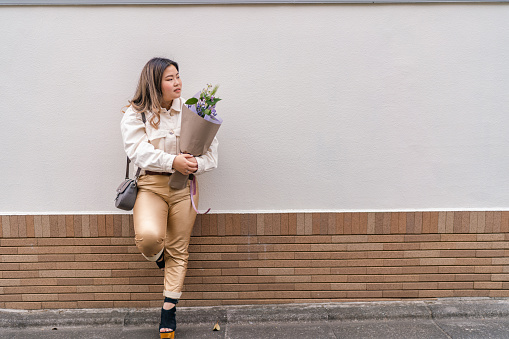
column 205, row 104
column 199, row 126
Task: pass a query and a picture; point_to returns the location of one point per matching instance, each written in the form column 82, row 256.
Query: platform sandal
column 168, row 319
column 160, row 261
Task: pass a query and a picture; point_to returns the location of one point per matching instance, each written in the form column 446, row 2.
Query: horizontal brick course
column 89, row 261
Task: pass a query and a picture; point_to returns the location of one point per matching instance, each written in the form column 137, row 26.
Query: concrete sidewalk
column 444, row 318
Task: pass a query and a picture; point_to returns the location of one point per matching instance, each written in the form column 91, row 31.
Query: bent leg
column 150, row 215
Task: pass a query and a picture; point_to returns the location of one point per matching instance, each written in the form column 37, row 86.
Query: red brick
column 77, row 225
column 457, row 222
column 22, row 227
column 328, row 294
column 401, row 246
column 23, row 305
column 422, row 237
column 490, row 253
column 379, row 223
column 292, row 223
column 402, row 223
column 365, row 278
column 498, row 293
column 348, row 239
column 75, row 296
column 449, row 222
column 69, row 225
column 394, row 223
column 437, row 277
column 436, row 293
column 239, row 271
column 401, row 294
column 455, row 285
column 316, row 239
column 236, row 224
column 410, row 223
column 109, row 224
column 434, row 216
column 324, row 223
column 472, row 293
column 386, row 238
column 418, row 222
column 473, row 277
column 197, row 226
column 429, row 285
column 13, row 223
column 331, row 223
column 276, row 271
column 101, row 225
column 10, row 298
column 30, row 226
column 489, row 237
column 347, row 223
column 316, row 223
column 213, row 226
column 313, row 270
column 383, row 286
column 244, row 225
column 97, row 304
column 364, row 295
column 61, row 226
column 340, row 225
column 385, row 254
column 426, row 222
column 504, row 222
column 117, row 226
column 94, row 230
column 457, row 253
column 59, row 304
column 465, row 222
column 401, row 278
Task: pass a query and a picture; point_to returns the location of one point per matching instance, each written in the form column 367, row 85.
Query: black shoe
column 160, row 261
column 168, row 319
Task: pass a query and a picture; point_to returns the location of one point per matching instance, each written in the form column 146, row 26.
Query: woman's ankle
column 168, row 306
column 169, row 303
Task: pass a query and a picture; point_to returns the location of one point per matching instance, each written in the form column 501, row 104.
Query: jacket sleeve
column 137, row 146
column 208, row 161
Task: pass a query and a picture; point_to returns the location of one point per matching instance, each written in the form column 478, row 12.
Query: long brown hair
column 148, row 96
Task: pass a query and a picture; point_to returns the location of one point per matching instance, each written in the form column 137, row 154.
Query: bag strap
column 129, row 160
column 192, row 192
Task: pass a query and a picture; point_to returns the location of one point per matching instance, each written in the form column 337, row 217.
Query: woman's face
column 171, row 85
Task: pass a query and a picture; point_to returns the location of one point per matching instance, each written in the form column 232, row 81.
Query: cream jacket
column 155, row 149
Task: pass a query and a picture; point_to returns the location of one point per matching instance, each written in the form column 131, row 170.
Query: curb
column 287, row 313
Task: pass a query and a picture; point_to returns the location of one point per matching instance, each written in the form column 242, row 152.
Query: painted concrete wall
column 326, row 107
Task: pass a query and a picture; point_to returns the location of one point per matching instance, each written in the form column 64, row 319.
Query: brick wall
column 90, row 261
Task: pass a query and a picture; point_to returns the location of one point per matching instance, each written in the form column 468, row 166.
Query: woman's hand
column 185, row 164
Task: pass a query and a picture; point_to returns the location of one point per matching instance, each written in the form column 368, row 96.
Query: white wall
column 326, row 107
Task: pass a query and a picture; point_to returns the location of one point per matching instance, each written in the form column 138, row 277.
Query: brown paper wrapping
column 196, row 135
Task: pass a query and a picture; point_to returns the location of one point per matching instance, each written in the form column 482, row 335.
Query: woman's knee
column 149, row 243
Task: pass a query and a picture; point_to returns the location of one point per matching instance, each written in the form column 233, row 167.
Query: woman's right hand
column 185, row 164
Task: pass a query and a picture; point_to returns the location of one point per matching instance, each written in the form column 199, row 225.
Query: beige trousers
column 163, row 222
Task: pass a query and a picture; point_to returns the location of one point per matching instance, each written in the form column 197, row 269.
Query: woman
column 163, row 217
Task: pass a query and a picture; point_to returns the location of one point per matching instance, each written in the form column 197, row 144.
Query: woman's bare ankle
column 168, row 306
